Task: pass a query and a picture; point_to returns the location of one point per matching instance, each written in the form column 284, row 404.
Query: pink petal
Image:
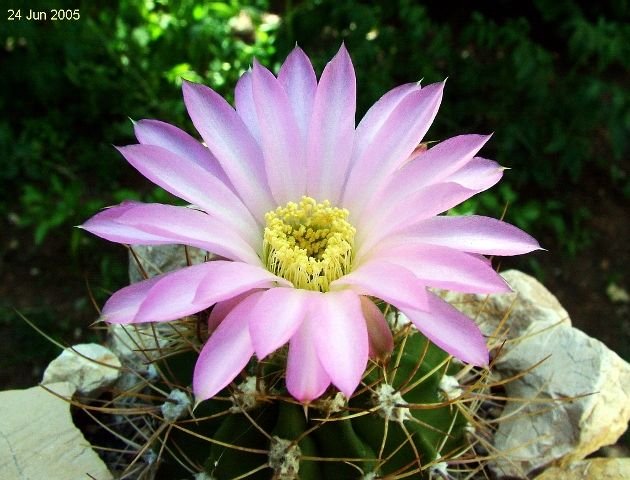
column 395, row 215
column 341, row 339
column 195, row 288
column 194, row 184
column 190, row 227
column 435, row 165
column 478, row 174
column 474, row 234
column 221, row 309
column 376, row 116
column 297, row 77
column 170, row 224
column 169, row 137
column 387, row 281
column 397, row 138
column 276, row 317
column 236, row 277
column 331, row 133
column 306, row 378
column 124, row 305
column 104, row 224
column 445, row 268
column 281, row 140
column 226, row 352
column 450, row 330
column 379, row 335
column 245, row 106
column 231, row 143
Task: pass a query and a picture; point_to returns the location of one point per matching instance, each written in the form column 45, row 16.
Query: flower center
column 308, row 243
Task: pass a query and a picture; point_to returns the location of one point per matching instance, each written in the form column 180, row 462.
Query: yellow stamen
column 308, row 243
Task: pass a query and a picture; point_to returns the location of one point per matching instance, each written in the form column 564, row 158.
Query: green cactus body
column 398, row 423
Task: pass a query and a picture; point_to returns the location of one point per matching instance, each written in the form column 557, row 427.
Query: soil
column 52, row 288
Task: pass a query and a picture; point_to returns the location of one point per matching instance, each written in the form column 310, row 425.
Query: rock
column 137, row 346
column 39, row 440
column 160, row 259
column 560, row 428
column 88, row 366
column 591, row 469
column 137, row 342
column 580, row 393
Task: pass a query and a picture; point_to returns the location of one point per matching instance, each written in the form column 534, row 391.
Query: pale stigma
column 308, row 243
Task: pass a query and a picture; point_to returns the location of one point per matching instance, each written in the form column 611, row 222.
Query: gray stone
column 577, row 399
column 161, row 259
column 88, row 366
column 39, row 441
column 591, row 469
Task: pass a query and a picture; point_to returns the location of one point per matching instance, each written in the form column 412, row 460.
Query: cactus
column 413, row 414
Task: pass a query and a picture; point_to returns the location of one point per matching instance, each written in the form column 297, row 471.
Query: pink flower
column 312, row 217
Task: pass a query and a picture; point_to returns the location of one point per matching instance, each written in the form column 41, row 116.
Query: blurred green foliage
column 548, row 77
column 70, row 88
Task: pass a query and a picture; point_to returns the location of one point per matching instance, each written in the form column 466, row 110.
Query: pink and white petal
column 232, row 278
column 104, row 224
column 380, row 337
column 221, row 309
column 451, row 330
column 123, row 305
column 397, row 138
column 189, row 227
column 276, row 317
column 393, row 216
column 298, row 79
column 331, row 132
column 435, row 165
column 478, row 174
column 172, row 296
column 384, row 280
column 194, row 184
column 446, row 268
column 281, row 139
column 139, row 302
column 306, row 378
column 341, row 339
column 373, row 120
column 474, row 234
column 178, row 293
column 169, row 137
column 226, row 352
column 245, row 106
column 229, row 139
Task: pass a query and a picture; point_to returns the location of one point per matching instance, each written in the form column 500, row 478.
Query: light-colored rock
column 592, row 469
column 88, row 366
column 142, row 342
column 161, row 259
column 137, row 346
column 578, row 366
column 39, row 441
column 580, row 393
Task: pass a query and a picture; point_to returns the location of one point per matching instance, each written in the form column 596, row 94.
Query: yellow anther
column 308, row 243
